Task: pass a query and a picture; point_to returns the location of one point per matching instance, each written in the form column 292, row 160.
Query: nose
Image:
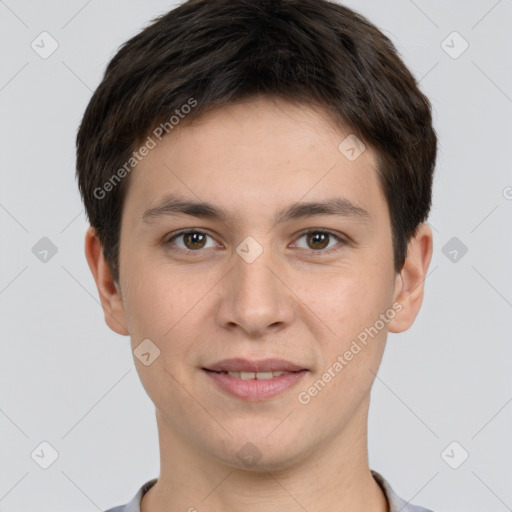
column 255, row 296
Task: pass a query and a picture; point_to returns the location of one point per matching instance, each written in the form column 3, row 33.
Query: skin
column 293, row 302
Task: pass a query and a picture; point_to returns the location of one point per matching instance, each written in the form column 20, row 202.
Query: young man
column 257, row 176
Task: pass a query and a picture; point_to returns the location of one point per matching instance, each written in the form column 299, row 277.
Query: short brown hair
column 222, row 51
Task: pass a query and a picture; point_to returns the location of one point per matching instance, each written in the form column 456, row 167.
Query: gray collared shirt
column 396, row 504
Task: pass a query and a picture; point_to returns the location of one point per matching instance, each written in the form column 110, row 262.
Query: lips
column 246, row 366
column 255, row 381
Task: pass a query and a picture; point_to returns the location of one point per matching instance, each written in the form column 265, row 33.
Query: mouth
column 254, row 380
column 254, row 375
column 264, row 366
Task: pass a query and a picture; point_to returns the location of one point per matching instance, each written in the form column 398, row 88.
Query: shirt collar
column 396, row 504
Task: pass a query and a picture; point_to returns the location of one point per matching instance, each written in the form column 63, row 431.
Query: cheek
column 350, row 358
column 167, row 308
column 157, row 297
column 349, row 300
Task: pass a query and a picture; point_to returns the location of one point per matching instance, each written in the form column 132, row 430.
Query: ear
column 108, row 289
column 409, row 284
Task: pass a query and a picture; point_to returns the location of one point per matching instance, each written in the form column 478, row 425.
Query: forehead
column 259, row 156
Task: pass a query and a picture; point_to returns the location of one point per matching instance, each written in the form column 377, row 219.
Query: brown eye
column 190, row 241
column 194, row 240
column 317, row 240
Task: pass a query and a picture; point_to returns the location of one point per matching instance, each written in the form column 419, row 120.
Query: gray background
column 66, row 379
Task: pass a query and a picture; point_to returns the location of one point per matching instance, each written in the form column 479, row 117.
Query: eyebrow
column 171, row 206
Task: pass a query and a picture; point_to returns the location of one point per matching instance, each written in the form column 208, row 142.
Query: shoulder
column 134, row 504
column 396, row 503
column 120, row 508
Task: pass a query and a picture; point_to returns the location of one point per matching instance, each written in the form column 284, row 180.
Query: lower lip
column 255, row 390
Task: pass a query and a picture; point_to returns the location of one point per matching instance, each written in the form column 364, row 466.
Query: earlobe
column 108, row 289
column 409, row 286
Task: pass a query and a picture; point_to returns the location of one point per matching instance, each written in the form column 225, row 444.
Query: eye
column 193, row 240
column 318, row 239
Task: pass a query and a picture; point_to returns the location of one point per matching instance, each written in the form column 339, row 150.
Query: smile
column 255, row 386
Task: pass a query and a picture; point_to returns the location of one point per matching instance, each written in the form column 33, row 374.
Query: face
column 260, row 273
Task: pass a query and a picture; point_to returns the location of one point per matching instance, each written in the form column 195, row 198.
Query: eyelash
column 319, row 252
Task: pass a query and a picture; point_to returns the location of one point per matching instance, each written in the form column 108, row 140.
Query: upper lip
column 245, row 365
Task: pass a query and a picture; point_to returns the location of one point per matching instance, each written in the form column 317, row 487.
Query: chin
column 260, row 455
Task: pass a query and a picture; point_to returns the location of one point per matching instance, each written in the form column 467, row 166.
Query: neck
column 334, row 476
